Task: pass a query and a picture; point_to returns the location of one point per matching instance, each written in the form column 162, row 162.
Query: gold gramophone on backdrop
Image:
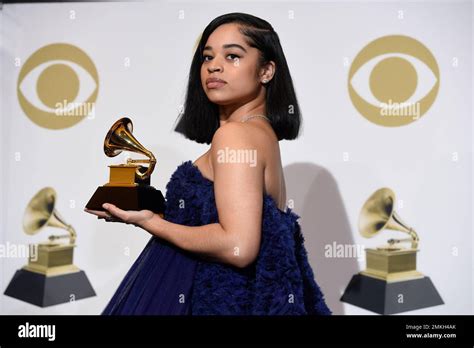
column 50, row 277
column 390, row 283
column 129, row 183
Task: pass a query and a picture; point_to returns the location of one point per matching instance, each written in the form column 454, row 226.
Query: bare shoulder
column 243, row 134
column 245, row 142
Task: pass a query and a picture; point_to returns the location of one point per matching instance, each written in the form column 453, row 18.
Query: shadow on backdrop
column 324, row 221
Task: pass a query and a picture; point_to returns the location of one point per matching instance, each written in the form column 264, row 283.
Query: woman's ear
column 267, row 72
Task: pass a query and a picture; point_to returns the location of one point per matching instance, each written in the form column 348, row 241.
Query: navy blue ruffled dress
column 166, row 280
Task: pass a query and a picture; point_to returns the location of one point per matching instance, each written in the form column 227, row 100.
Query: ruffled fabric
column 279, row 282
column 167, row 280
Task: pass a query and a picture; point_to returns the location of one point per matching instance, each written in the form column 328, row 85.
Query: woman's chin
column 219, row 101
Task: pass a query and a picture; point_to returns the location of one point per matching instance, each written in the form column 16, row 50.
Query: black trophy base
column 128, row 198
column 45, row 291
column 389, row 298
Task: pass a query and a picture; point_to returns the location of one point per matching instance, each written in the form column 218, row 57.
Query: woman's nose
column 212, row 69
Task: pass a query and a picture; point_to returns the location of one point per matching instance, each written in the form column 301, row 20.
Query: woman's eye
column 233, row 57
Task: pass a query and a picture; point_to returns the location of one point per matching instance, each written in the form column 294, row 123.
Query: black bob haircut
column 199, row 118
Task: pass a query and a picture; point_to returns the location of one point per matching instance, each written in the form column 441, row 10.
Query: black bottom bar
column 136, row 330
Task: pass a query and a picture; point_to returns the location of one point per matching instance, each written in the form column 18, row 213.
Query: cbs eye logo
column 402, row 81
column 58, row 86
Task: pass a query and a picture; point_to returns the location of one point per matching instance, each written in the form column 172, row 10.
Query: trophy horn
column 120, row 138
column 40, row 212
column 378, row 213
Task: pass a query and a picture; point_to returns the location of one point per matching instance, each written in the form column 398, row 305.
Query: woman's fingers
column 111, row 213
column 100, row 214
column 116, row 212
column 103, row 215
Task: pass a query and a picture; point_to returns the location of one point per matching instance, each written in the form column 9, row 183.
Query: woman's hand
column 114, row 214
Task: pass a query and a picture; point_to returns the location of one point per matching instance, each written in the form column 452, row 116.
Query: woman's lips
column 215, row 84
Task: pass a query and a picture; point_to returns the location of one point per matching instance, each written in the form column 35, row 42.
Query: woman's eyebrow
column 227, row 46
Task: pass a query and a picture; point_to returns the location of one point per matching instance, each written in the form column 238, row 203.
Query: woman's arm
column 238, row 189
column 211, row 241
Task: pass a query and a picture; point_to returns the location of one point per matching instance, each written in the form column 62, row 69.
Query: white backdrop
column 142, row 52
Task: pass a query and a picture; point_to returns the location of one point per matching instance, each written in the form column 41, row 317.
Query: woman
column 226, row 245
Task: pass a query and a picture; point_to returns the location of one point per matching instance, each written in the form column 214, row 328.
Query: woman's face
column 227, row 56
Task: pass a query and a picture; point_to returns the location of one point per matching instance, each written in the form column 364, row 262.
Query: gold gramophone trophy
column 390, row 283
column 129, row 184
column 50, row 277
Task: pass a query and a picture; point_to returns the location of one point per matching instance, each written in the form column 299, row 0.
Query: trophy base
column 44, row 291
column 128, row 198
column 389, row 298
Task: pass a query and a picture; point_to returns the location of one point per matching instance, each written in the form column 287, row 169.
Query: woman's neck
column 237, row 114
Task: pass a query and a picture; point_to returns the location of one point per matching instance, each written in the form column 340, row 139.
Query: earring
column 264, row 80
